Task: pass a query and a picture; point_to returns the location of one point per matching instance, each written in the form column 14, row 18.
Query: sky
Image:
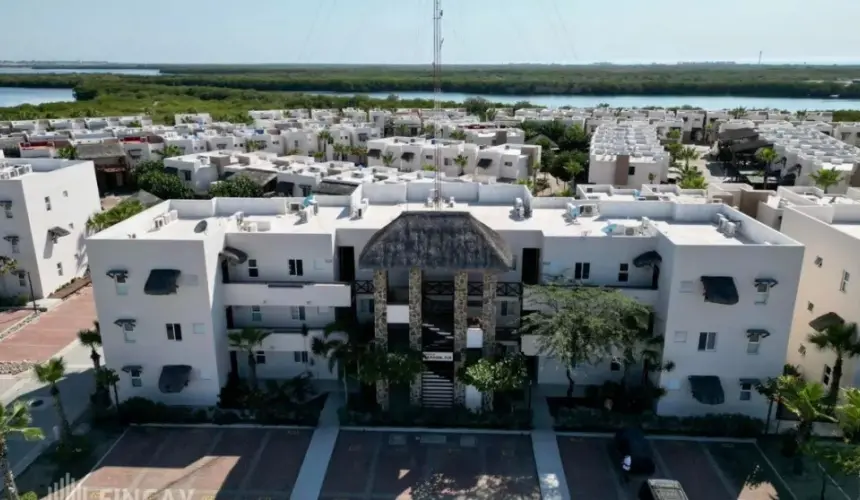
column 400, row 31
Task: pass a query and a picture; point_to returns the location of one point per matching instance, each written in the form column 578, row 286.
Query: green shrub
column 417, row 416
column 712, row 425
column 30, row 495
column 144, row 411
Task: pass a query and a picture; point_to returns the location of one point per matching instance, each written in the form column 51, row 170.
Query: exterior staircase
column 436, row 391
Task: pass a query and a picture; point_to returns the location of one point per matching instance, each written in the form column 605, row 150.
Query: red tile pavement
column 8, row 319
column 52, row 331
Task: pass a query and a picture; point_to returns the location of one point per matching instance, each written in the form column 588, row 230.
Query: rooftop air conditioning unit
column 451, row 202
column 250, row 227
column 295, row 207
column 629, row 231
column 587, row 209
column 730, row 228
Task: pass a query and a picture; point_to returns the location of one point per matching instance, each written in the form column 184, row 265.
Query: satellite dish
column 200, row 227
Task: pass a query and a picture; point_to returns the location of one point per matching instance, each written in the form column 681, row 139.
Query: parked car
column 631, row 441
column 662, row 489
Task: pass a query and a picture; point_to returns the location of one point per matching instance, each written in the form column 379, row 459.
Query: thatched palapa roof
column 453, row 241
column 97, row 151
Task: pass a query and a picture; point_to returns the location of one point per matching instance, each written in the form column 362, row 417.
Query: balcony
column 287, row 339
column 287, row 293
column 643, row 294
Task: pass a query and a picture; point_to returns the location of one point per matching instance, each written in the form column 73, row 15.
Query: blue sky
column 400, row 31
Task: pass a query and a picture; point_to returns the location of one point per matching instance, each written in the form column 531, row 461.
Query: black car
column 662, row 489
column 631, row 441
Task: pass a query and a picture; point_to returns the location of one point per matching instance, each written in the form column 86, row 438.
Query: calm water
column 5, row 70
column 15, row 97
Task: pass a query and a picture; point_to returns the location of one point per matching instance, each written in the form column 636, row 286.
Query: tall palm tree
column 458, row 135
column 92, row 339
column 842, row 340
column 697, row 182
column 766, row 156
column 808, row 402
column 51, row 372
column 573, row 168
column 249, row 340
column 169, row 151
column 109, row 378
column 688, row 154
column 461, row 161
column 323, row 137
column 738, row 113
column 402, row 130
column 361, row 153
column 14, row 419
column 825, row 178
column 339, row 352
column 340, row 151
column 388, row 159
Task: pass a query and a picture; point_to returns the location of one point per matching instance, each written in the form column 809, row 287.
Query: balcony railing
column 287, row 293
column 504, row 289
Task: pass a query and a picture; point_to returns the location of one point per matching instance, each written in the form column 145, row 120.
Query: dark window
column 631, row 170
column 300, row 356
column 615, row 366
column 174, row 332
column 582, row 271
column 260, row 357
column 253, row 271
column 623, row 272
column 296, row 267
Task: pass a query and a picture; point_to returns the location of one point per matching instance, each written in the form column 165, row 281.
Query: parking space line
column 618, row 480
column 374, row 462
column 255, row 461
column 658, row 458
column 733, row 493
column 775, row 471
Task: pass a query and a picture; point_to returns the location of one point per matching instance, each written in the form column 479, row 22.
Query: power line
column 568, row 39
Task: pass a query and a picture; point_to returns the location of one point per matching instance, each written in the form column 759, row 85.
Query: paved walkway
column 551, row 476
column 311, row 476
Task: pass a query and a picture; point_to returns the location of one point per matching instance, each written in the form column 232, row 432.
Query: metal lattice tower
column 437, row 97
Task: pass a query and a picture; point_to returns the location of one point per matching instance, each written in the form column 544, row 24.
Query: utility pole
column 437, row 98
column 759, row 57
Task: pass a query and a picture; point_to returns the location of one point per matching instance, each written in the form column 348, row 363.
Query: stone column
column 416, row 302
column 488, row 325
column 380, row 323
column 461, row 324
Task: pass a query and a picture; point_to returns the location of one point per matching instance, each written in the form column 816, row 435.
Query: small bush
column 144, row 411
column 30, row 495
column 712, row 425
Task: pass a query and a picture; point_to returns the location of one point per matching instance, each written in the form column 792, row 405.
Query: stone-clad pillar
column 416, row 302
column 380, row 323
column 461, row 324
column 488, row 324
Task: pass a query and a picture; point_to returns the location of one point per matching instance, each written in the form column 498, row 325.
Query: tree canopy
column 237, row 186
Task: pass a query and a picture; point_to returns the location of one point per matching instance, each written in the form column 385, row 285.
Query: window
column 810, row 306
column 746, row 391
column 135, row 378
column 48, row 203
column 21, row 281
column 59, row 268
column 260, row 357
column 298, row 313
column 127, row 330
column 8, row 213
column 447, row 162
column 680, row 336
column 819, row 261
column 65, row 194
column 688, row 286
column 614, row 366
column 296, row 267
column 623, row 272
column 825, row 377
column 15, row 248
column 428, row 157
column 306, row 190
column 581, row 270
column 503, row 308
column 762, row 292
column 509, row 164
column 186, row 174
column 708, row 341
column 843, row 286
column 514, row 263
column 253, row 271
column 198, row 328
column 174, row 332
column 300, row 356
column 296, row 144
column 631, row 170
column 256, row 314
column 753, row 344
column 121, row 283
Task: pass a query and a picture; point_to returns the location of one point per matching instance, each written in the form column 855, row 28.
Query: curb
column 228, row 426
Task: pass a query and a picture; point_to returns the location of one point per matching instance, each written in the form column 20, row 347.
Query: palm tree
column 323, row 137
column 458, row 135
column 766, row 156
column 738, row 113
column 402, row 129
column 461, row 161
column 68, row 153
column 651, row 177
column 770, row 390
column 319, row 156
column 51, row 372
column 697, row 182
column 674, row 135
column 340, row 151
column 842, row 340
column 7, row 265
column 825, row 178
column 573, row 168
column 14, row 419
column 688, row 154
column 801, row 114
column 361, row 153
column 169, row 151
column 249, row 340
column 92, row 339
column 388, row 159
column 109, row 378
column 339, row 352
column 808, row 402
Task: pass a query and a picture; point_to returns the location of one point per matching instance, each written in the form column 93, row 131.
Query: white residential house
column 627, row 155
column 46, row 203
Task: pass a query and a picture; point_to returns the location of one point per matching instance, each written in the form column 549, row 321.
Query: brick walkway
column 51, row 331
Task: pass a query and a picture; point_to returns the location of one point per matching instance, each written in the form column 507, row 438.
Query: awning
column 374, row 153
column 125, row 321
column 174, row 378
column 825, row 321
column 162, row 282
column 117, row 273
column 7, row 204
column 720, row 290
column 235, row 256
column 408, row 155
column 766, row 281
column 12, row 238
column 58, row 232
column 648, row 258
column 132, row 368
column 707, row 389
column 757, row 334
column 485, row 162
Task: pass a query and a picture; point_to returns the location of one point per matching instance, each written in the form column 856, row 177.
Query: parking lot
column 708, row 471
column 406, row 465
column 201, row 463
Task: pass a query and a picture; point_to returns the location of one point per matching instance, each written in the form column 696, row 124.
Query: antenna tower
column 437, row 98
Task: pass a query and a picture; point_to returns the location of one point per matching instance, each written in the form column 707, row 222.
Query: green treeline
column 692, row 80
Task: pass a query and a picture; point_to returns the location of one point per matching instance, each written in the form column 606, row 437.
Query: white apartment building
column 627, row 155
column 170, row 282
column 505, row 162
column 828, row 293
column 847, row 132
column 47, row 203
